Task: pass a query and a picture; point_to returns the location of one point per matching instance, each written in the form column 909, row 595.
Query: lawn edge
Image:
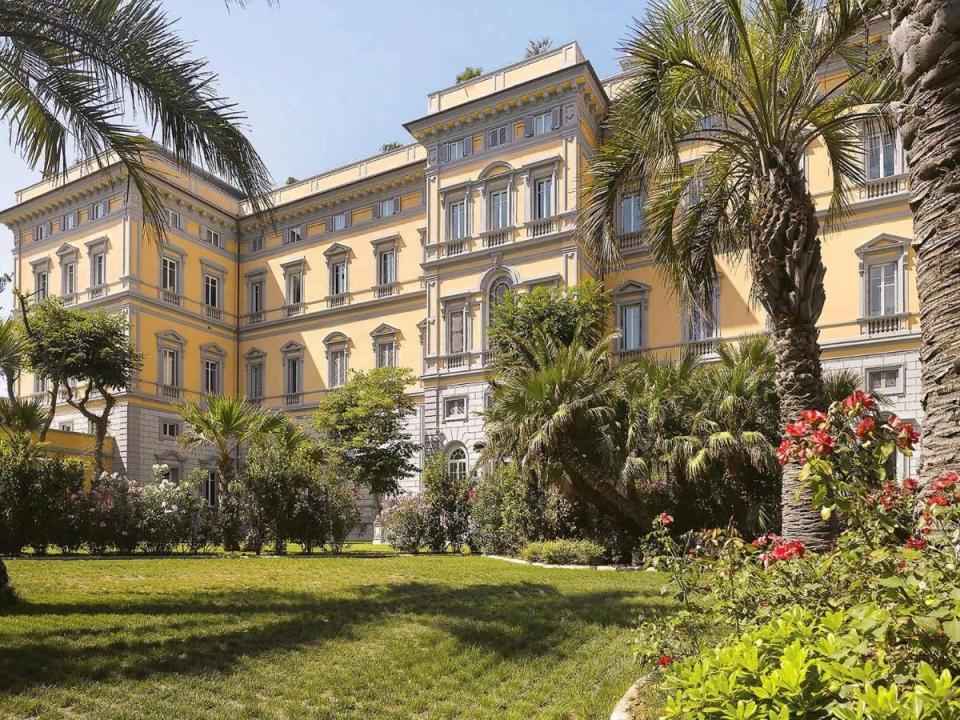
column 604, row 568
column 623, row 710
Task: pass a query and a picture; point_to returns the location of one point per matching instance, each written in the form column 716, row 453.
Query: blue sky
column 323, row 83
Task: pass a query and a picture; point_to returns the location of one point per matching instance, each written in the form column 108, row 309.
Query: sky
column 325, row 82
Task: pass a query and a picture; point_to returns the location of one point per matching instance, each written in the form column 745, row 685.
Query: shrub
column 564, row 552
column 406, row 523
column 109, row 515
column 325, row 512
column 449, row 505
column 169, row 514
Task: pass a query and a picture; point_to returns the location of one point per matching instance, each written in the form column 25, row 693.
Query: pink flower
column 910, row 484
column 859, row 400
column 938, row 499
column 665, row 519
column 945, row 481
column 865, row 427
column 814, row 417
column 907, row 437
column 797, row 429
column 893, row 421
column 823, row 442
column 783, row 452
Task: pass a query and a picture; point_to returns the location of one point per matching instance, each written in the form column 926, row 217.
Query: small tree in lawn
column 225, row 425
column 47, row 326
column 361, row 428
column 104, row 360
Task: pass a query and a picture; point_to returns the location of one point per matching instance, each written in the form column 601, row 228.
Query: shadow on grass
column 209, row 632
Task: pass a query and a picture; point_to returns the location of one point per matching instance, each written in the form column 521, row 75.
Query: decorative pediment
column 294, row 264
column 171, row 336
column 884, row 243
column 254, row 353
column 335, row 250
column 212, row 349
column 40, row 263
column 631, row 287
column 336, row 338
column 292, row 347
column 497, row 167
column 66, row 252
column 384, row 330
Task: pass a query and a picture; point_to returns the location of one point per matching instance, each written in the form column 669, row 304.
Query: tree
column 22, row 417
column 361, row 428
column 48, row 326
column 387, row 147
column 13, row 351
column 562, row 314
column 742, row 86
column 469, row 73
column 73, row 71
column 538, row 47
column 225, row 425
column 925, row 43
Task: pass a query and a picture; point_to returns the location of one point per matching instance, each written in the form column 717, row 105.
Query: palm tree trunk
column 788, row 274
column 926, row 49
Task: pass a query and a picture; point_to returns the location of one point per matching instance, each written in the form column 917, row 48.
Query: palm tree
column 538, row 47
column 738, row 89
column 22, row 417
column 74, row 71
column 925, row 43
column 13, row 350
column 225, row 425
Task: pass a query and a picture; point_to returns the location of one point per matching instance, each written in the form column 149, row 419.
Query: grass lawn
column 359, row 636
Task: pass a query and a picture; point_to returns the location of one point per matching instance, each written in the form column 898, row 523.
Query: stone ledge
column 624, row 709
column 608, row 568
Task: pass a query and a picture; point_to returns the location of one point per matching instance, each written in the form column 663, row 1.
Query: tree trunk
column 926, row 49
column 228, row 511
column 788, row 273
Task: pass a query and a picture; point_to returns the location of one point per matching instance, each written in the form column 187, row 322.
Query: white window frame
column 449, row 405
column 166, row 426
column 174, row 219
column 458, row 463
column 629, row 298
column 256, row 378
column 498, row 136
column 217, row 285
column 212, row 376
column 632, row 222
column 293, row 234
column 170, row 266
column 457, row 227
column 543, row 201
column 293, row 286
column 701, row 324
column 338, row 221
column 899, row 382
column 211, row 237
column 338, row 276
column 387, row 265
column 70, row 221
column 100, row 209
column 499, row 209
column 69, row 281
column 885, row 288
column 171, row 366
column 385, row 353
column 41, row 283
column 336, row 377
column 891, row 153
column 542, row 123
column 452, row 311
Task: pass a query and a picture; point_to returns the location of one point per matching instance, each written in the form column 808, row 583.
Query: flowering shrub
column 406, row 523
column 109, row 515
column 173, row 514
column 564, row 552
column 449, row 499
column 325, row 513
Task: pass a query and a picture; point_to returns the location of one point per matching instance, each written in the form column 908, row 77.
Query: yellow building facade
column 397, row 259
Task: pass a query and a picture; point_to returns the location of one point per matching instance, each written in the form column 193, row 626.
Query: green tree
column 22, row 417
column 361, row 428
column 73, row 71
column 387, row 147
column 743, row 83
column 562, row 314
column 926, row 51
column 538, row 47
column 13, row 351
column 225, row 425
column 469, row 73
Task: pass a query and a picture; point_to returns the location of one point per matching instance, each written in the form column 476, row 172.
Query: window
column 256, row 244
column 631, row 326
column 66, row 427
column 385, row 208
column 295, row 287
column 98, row 269
column 457, row 464
column 210, row 488
column 338, row 367
column 169, row 430
column 211, row 291
column 700, row 322
column 255, row 292
column 211, row 377
column 882, row 151
column 631, row 214
column 42, row 232
column 497, row 137
column 170, row 367
column 455, row 331
column 883, row 380
column 42, row 284
column 69, row 278
column 211, row 237
column 387, row 267
column 455, row 408
column 544, row 122
column 174, row 221
column 456, row 149
column 882, row 289
column 294, row 375
column 170, row 275
column 386, row 354
column 338, row 277
column 293, row 235
column 457, row 221
column 255, row 374
column 39, row 383
column 99, row 210
column 499, row 288
column 543, row 198
column 499, row 210
column 338, row 221
column 69, row 221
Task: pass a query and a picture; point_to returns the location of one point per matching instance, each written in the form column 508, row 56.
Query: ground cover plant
column 354, row 636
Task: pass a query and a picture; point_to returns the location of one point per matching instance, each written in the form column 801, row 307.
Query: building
column 397, row 259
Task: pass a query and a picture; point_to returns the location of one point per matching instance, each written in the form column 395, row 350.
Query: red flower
column 910, row 484
column 789, row 550
column 908, row 436
column 760, row 542
column 823, row 442
column 947, row 480
column 859, row 400
column 938, row 499
column 797, row 429
column 916, row 543
column 893, row 421
column 814, row 417
column 665, row 519
column 865, row 427
column 783, row 452
column 665, row 660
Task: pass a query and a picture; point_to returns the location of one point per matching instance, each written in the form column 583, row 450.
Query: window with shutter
column 556, row 118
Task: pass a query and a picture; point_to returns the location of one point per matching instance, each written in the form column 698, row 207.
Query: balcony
column 170, row 392
column 171, row 298
column 496, row 238
column 97, row 292
column 214, row 313
column 255, row 318
column 69, row 299
column 293, row 309
column 335, row 301
column 703, row 348
column 884, row 324
column 539, row 228
column 885, row 186
column 293, row 399
column 632, row 242
column 385, row 290
column 456, row 247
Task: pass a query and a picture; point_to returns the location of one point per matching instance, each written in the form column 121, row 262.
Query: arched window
column 457, row 464
column 498, row 290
